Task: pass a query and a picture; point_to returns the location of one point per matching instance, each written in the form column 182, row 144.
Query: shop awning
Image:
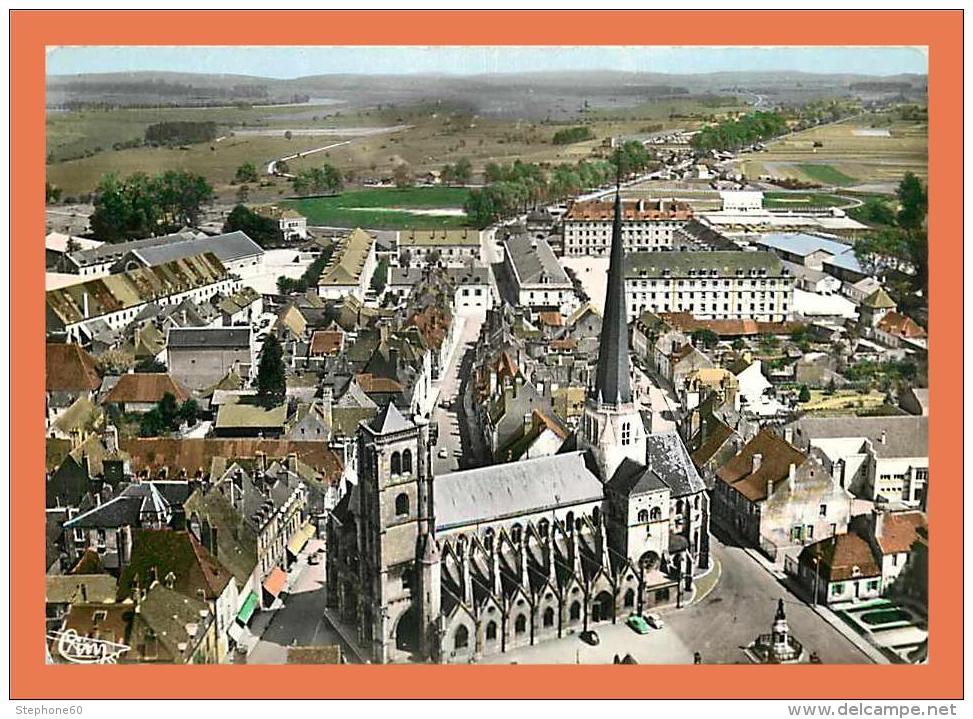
column 248, row 608
column 275, row 582
column 300, row 538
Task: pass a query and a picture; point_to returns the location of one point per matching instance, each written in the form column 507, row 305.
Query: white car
column 655, row 621
column 443, row 453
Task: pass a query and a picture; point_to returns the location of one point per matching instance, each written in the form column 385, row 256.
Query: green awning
column 249, row 605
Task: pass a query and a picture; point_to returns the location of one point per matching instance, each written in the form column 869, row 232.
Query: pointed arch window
column 520, row 624
column 491, row 631
column 396, row 463
column 407, row 462
column 462, row 637
column 549, row 617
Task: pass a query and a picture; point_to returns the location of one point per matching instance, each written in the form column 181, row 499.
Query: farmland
column 390, row 209
column 873, row 151
column 81, row 142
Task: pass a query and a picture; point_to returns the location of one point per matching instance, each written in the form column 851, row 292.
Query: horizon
column 295, row 63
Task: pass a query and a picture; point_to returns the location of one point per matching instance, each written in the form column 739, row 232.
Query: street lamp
column 814, row 598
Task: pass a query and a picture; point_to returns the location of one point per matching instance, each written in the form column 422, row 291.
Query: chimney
column 879, row 516
column 111, row 439
column 770, row 487
column 791, row 476
column 839, row 472
column 84, row 592
column 789, row 435
column 84, row 303
column 528, row 422
column 756, row 460
column 884, row 438
column 394, row 357
column 261, row 462
column 292, row 462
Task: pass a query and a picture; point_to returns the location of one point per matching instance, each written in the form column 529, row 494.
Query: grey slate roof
column 389, row 420
column 109, row 252
column 633, row 477
column 209, row 337
column 534, row 262
column 612, row 382
column 905, row 436
column 497, row 491
column 231, row 247
column 124, row 510
column 651, row 265
column 667, row 457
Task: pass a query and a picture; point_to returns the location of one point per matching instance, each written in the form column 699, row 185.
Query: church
column 472, row 563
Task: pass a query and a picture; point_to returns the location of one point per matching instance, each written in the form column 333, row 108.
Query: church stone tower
column 399, row 563
column 611, row 426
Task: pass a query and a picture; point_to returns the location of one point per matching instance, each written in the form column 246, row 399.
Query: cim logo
column 75, row 649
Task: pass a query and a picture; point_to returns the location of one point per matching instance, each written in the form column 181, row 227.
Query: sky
column 290, row 62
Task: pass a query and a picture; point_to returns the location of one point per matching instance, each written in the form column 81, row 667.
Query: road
column 272, row 165
column 727, row 619
column 455, row 441
column 301, row 620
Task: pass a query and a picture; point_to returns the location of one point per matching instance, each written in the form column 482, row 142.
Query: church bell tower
column 611, row 426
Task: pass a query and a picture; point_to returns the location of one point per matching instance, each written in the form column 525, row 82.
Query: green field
column 802, row 200
column 384, row 209
column 825, row 174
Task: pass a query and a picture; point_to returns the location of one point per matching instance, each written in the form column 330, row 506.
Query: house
column 70, row 375
column 326, row 343
column 61, row 591
column 140, row 392
column 57, row 245
column 709, row 285
column 77, row 423
column 896, row 330
column 449, row 248
column 239, row 419
column 811, row 280
column 199, row 357
column 742, row 201
column 877, row 458
column 292, row 224
column 702, row 382
column 350, row 269
column 646, row 225
column 542, row 436
column 891, row 535
column 675, row 359
column 841, row 569
column 776, row 497
column 538, row 279
column 185, row 564
column 239, row 254
column 858, row 291
column 668, row 459
column 112, row 302
column 875, row 307
column 243, row 307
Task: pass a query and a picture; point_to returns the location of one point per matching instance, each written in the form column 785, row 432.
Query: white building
column 292, row 224
column 116, row 300
column 539, row 281
column 647, row 225
column 719, row 285
column 473, row 290
column 450, row 248
column 235, row 250
column 742, row 200
column 351, row 267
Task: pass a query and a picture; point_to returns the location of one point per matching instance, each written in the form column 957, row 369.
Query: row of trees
column 143, row 206
column 570, row 135
column 515, row 188
column 901, row 235
column 308, row 280
column 180, row 133
column 732, row 134
column 459, row 174
column 318, row 180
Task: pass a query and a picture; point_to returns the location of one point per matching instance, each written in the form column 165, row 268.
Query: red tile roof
column 595, row 210
column 70, row 369
column 327, row 342
column 840, row 556
column 777, row 456
column 550, row 318
column 145, row 387
column 372, row 383
column 901, row 326
column 900, row 531
column 276, row 581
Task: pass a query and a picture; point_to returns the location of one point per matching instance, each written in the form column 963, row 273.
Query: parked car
column 638, row 624
column 655, row 621
column 443, row 453
column 590, row 637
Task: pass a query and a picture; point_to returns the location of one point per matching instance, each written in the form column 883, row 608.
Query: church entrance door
column 601, row 610
column 407, row 631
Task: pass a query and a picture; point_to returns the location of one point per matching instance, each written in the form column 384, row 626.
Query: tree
column 405, row 258
column 265, row 231
column 151, row 424
column 189, row 411
column 247, row 172
column 150, row 365
column 72, row 245
column 168, row 410
column 281, row 167
column 913, row 203
column 805, row 394
column 462, row 172
column 706, row 337
column 402, row 175
column 271, row 375
column 380, row 275
column 316, row 180
column 288, row 134
column 52, row 193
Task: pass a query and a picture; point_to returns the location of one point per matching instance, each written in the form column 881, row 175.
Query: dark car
column 590, row 637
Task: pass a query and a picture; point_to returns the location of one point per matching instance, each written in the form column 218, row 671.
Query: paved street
column 301, row 620
column 448, row 420
column 727, row 619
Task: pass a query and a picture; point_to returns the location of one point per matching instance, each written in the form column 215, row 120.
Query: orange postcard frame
column 30, row 31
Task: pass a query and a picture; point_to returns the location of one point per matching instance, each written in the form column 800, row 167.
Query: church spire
column 612, row 383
